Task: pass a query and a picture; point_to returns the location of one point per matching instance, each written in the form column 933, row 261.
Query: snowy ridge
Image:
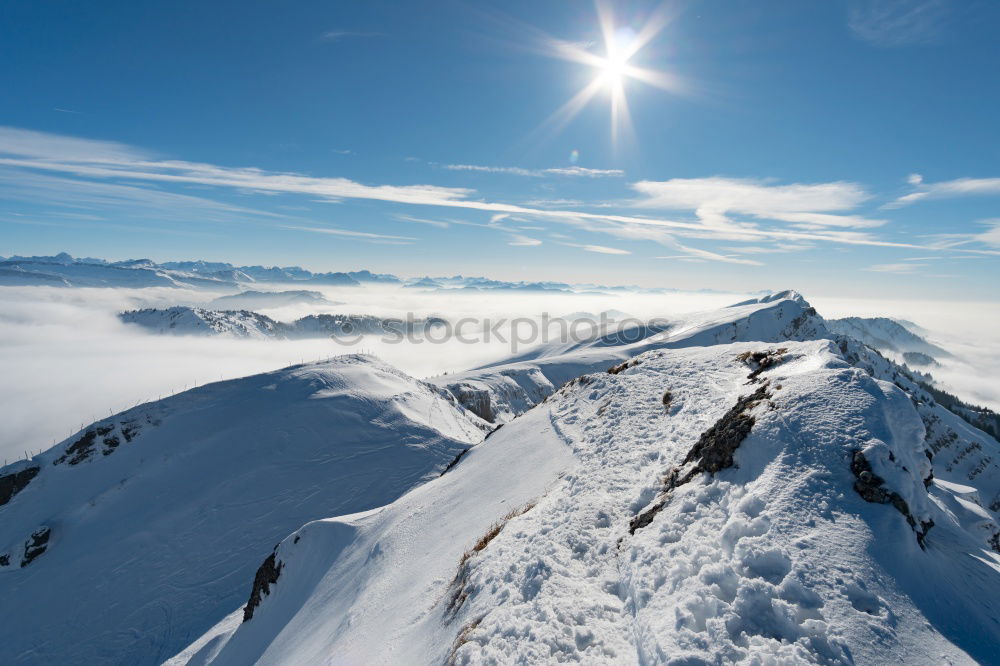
column 740, row 486
column 184, row 320
column 158, row 516
column 504, row 390
column 781, row 556
column 886, row 335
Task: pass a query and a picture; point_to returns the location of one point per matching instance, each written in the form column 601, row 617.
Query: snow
column 775, row 560
column 53, row 271
column 155, row 538
column 886, row 335
column 184, row 320
column 852, row 519
column 513, row 385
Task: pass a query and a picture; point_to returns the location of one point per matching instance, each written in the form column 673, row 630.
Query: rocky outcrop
column 36, row 544
column 759, row 361
column 13, row 483
column 475, row 400
column 267, row 575
column 872, row 488
column 712, row 452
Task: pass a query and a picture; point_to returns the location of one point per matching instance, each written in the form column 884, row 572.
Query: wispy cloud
column 99, row 159
column 59, row 148
column 959, row 187
column 571, row 171
column 146, row 203
column 891, row 23
column 26, row 151
column 339, row 35
column 903, row 268
column 808, row 210
column 585, row 172
column 959, row 241
column 713, row 198
column 705, row 255
column 524, row 241
column 773, row 249
column 441, row 224
column 992, row 235
column 599, row 249
column 384, row 239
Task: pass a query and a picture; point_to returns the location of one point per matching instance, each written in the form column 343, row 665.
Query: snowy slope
column 734, row 503
column 184, row 320
column 127, row 541
column 501, row 391
column 738, row 485
column 886, row 335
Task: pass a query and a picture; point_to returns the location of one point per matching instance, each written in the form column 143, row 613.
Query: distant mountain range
column 63, row 270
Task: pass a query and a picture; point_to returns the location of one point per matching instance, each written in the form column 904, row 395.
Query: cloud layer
column 760, row 213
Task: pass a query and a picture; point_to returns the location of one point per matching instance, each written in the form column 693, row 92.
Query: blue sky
column 837, row 148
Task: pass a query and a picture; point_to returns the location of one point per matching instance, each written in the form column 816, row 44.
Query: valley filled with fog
column 69, row 360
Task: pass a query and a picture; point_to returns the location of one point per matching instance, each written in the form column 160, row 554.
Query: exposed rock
column 714, row 449
column 36, row 545
column 759, row 361
column 712, row 452
column 872, row 488
column 455, row 461
column 267, row 575
column 79, row 450
column 476, row 401
column 621, row 367
column 12, row 484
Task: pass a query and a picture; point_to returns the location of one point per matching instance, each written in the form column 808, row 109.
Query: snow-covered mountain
column 888, row 335
column 505, row 389
column 66, row 271
column 127, row 541
column 183, row 320
column 40, row 271
column 751, row 521
column 734, row 486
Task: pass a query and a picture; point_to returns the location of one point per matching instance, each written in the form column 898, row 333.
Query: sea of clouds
column 68, row 360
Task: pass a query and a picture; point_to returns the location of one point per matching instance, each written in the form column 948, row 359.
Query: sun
column 621, row 43
column 613, row 71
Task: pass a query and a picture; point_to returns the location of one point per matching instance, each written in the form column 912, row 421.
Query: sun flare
column 621, row 43
column 613, row 71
